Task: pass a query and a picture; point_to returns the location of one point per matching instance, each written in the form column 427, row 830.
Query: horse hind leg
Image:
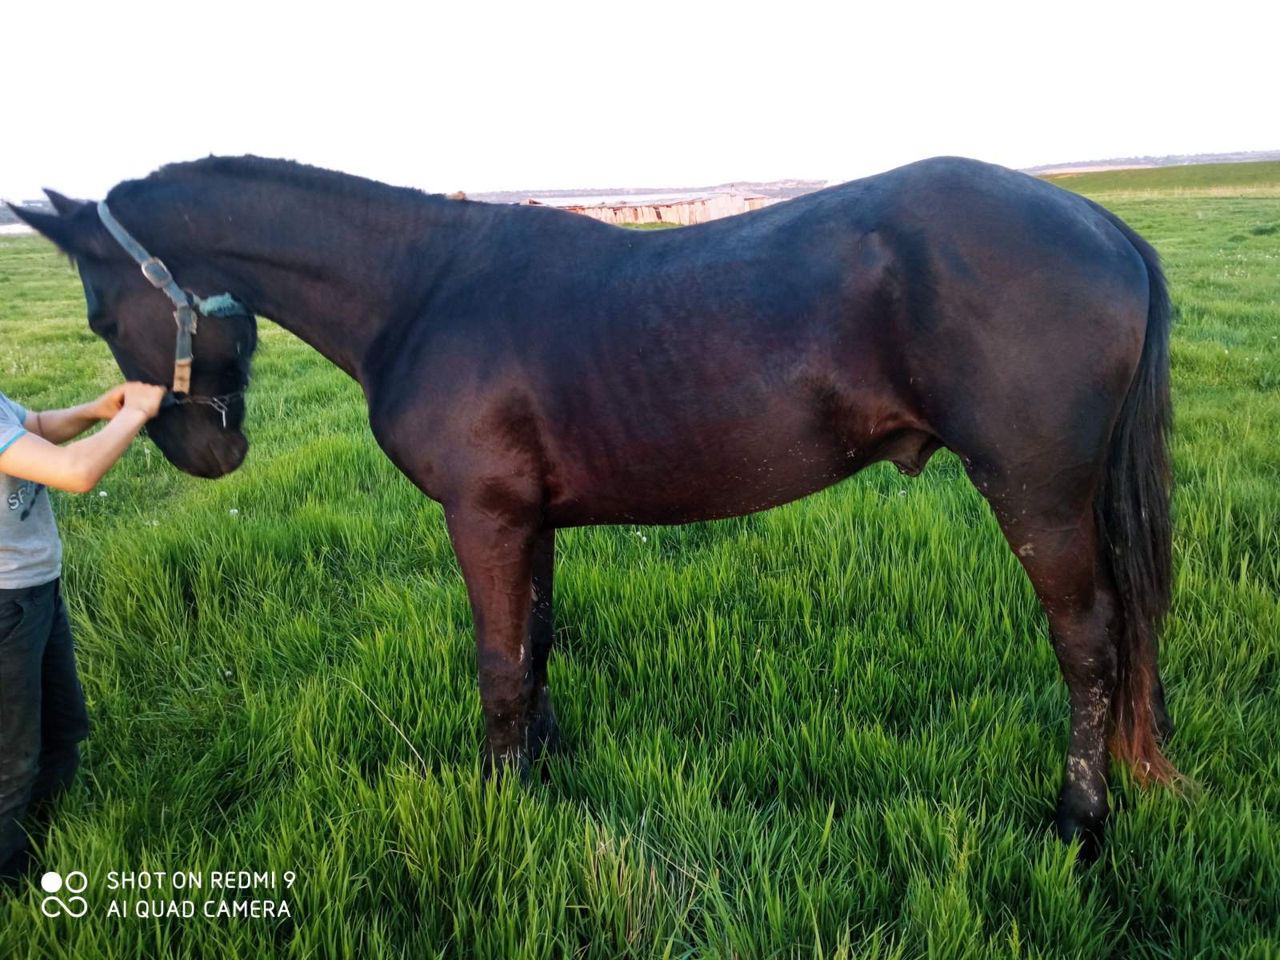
column 544, row 733
column 1159, row 708
column 1053, row 532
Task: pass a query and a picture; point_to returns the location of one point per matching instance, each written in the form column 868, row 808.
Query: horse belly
column 685, row 496
column 726, row 472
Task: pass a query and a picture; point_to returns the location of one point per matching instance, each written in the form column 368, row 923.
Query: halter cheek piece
column 187, row 309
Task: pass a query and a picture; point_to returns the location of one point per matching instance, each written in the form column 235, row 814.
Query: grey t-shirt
column 30, row 548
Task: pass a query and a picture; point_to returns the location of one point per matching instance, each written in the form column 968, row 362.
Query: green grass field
column 1260, row 178
column 835, row 729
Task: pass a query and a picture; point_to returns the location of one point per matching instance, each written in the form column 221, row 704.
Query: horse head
column 199, row 430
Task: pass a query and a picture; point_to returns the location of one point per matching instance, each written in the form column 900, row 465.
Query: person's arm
column 78, row 466
column 58, row 426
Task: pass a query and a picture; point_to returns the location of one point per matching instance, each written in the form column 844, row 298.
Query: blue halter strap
column 187, row 307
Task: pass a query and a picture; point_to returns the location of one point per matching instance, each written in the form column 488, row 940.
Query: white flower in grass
column 102, row 493
column 234, row 512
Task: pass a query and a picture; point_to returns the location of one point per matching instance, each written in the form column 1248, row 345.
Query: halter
column 187, row 308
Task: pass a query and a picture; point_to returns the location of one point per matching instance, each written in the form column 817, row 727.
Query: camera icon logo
column 73, row 906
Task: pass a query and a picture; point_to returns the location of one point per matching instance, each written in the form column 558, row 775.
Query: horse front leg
column 496, row 554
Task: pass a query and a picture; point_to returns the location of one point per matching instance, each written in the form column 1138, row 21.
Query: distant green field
column 1205, row 178
column 831, row 730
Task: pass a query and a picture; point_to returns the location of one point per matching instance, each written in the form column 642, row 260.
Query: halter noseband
column 187, row 308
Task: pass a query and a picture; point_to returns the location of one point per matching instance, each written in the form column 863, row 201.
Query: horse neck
column 334, row 271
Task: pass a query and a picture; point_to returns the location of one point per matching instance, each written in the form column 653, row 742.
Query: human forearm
column 78, row 466
column 58, row 426
column 95, row 455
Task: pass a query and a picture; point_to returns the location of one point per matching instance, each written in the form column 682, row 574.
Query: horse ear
column 64, row 205
column 76, row 236
column 50, row 225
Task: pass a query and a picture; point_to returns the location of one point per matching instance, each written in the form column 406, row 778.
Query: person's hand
column 143, row 397
column 107, row 405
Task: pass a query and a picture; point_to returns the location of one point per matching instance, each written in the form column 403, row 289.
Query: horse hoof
column 544, row 732
column 544, row 736
column 1088, row 830
column 496, row 767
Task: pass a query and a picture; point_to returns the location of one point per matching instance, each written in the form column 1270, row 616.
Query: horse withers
column 532, row 369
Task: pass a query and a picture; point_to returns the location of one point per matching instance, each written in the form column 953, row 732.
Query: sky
column 479, row 95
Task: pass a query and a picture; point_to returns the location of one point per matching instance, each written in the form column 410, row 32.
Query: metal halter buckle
column 156, row 272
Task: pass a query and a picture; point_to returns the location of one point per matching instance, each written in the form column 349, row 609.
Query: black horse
column 531, row 369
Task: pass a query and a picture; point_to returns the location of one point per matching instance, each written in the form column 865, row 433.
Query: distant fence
column 683, row 212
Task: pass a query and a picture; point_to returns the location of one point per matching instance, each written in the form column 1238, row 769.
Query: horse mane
column 289, row 173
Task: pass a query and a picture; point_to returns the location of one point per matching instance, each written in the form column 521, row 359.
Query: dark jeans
column 42, row 712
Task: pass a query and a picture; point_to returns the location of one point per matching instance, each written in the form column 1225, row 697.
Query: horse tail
column 1132, row 513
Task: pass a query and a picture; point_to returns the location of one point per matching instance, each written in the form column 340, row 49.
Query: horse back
column 679, row 375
